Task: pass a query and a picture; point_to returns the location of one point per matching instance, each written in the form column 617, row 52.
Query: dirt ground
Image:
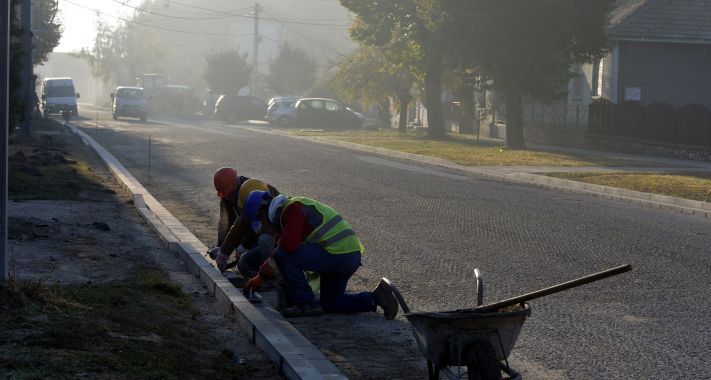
column 99, row 238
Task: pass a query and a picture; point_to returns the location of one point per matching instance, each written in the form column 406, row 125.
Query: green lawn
column 465, row 151
column 691, row 185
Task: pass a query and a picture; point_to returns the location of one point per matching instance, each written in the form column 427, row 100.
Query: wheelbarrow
column 481, row 338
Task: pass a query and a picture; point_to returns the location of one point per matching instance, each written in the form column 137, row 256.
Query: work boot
column 302, row 310
column 283, row 297
column 383, row 296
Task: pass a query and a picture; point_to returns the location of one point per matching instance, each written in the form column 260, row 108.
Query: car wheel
column 75, row 111
column 284, row 121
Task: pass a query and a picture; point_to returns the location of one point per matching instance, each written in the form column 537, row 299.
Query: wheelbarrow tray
column 445, row 337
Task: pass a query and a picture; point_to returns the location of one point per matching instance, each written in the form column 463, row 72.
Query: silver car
column 281, row 112
column 129, row 101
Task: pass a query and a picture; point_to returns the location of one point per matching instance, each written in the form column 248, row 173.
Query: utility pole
column 4, row 124
column 255, row 51
column 28, row 87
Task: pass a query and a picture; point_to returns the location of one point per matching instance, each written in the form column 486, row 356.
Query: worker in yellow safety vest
column 313, row 237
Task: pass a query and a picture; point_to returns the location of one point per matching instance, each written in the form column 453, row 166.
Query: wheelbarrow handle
column 554, row 289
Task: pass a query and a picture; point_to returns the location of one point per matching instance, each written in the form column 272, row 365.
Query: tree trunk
column 466, row 105
column 402, row 119
column 514, row 118
column 433, row 92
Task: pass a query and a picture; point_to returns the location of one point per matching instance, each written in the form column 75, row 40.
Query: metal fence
column 689, row 125
column 559, row 115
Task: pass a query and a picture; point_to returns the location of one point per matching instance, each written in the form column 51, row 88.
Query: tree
column 122, row 53
column 526, row 48
column 49, row 30
column 419, row 24
column 46, row 38
column 372, row 73
column 227, row 71
column 292, row 72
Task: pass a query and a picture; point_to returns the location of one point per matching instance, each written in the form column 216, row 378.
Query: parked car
column 129, row 101
column 326, row 113
column 208, row 103
column 231, row 108
column 281, row 112
column 280, row 98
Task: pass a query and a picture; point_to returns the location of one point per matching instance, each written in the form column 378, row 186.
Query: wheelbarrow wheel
column 482, row 363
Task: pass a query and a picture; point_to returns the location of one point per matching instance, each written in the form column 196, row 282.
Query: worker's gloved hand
column 219, row 257
column 212, row 252
column 254, row 283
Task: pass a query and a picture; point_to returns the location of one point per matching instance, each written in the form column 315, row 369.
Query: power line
column 232, row 13
column 307, row 21
column 228, row 14
column 125, row 4
column 155, row 26
column 302, row 35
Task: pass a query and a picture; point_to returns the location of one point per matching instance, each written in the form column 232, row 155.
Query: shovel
column 553, row 289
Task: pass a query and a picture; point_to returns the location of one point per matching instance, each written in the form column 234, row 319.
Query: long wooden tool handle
column 555, row 289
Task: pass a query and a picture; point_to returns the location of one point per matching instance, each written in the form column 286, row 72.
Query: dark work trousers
column 335, row 271
column 250, row 261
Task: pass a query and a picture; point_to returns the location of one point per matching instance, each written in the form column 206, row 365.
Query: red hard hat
column 224, row 180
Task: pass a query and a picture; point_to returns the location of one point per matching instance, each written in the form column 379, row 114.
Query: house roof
column 686, row 21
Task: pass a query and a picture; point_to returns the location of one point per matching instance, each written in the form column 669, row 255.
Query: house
column 660, row 54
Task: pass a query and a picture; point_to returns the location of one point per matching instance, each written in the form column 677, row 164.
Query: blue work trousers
column 335, row 271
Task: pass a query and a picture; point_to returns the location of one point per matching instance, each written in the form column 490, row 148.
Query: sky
column 79, row 23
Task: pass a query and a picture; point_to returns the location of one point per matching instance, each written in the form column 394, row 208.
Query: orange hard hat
column 224, row 180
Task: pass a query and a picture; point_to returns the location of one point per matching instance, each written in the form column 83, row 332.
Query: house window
column 596, row 85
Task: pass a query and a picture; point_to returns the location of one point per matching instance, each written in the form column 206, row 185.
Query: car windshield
column 59, row 91
column 129, row 93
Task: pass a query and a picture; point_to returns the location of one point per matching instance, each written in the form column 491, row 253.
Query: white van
column 57, row 95
column 129, row 101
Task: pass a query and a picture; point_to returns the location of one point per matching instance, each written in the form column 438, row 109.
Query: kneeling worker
column 235, row 231
column 314, row 237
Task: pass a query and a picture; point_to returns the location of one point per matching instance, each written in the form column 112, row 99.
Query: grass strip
column 466, row 151
column 687, row 185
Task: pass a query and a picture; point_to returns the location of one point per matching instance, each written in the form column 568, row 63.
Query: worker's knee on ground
column 248, row 264
column 244, row 269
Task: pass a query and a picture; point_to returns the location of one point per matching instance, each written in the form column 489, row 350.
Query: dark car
column 326, row 113
column 231, row 108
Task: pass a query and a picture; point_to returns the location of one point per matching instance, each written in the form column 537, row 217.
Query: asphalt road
column 427, row 229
